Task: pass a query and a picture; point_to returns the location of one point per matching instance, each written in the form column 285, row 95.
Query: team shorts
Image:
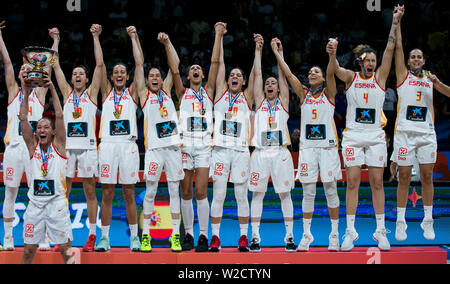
column 275, row 163
column 364, row 148
column 167, row 158
column 195, row 157
column 412, row 146
column 122, row 158
column 312, row 161
column 85, row 162
column 53, row 219
column 16, row 161
column 229, row 162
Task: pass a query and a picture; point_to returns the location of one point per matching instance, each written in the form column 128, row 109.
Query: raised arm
column 385, row 67
column 221, row 82
column 221, row 29
column 105, row 84
column 256, row 86
column 60, row 135
column 173, row 62
column 400, row 66
column 100, row 69
column 439, row 86
column 282, row 83
column 63, row 85
column 138, row 87
column 10, row 78
column 25, row 126
column 331, row 81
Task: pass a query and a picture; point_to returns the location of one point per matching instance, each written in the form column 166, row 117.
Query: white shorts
column 85, row 162
column 311, row 161
column 364, row 148
column 53, row 219
column 118, row 157
column 412, row 146
column 228, row 162
column 167, row 158
column 195, row 157
column 16, row 161
column 276, row 163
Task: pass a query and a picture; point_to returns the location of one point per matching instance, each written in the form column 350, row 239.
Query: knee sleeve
column 174, row 196
column 257, row 204
column 331, row 194
column 241, row 194
column 286, row 205
column 309, row 195
column 219, row 194
column 149, row 199
column 9, row 202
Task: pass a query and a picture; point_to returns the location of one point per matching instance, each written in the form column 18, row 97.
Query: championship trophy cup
column 39, row 57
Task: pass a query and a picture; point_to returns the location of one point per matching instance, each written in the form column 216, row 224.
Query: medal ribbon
column 76, row 100
column 272, row 111
column 312, row 91
column 199, row 96
column 45, row 157
column 231, row 100
column 117, row 101
column 160, row 97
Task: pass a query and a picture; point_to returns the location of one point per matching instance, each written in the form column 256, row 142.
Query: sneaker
column 146, row 245
column 380, row 237
column 55, row 248
column 290, row 245
column 306, row 241
column 103, row 245
column 8, row 243
column 428, row 231
column 188, row 242
column 135, row 243
column 243, row 244
column 202, row 244
column 349, row 238
column 90, row 244
column 174, row 241
column 333, row 244
column 254, row 246
column 400, row 231
column 215, row 244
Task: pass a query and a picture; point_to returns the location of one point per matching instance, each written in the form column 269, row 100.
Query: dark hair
column 361, row 49
column 85, row 68
column 52, row 123
column 121, row 63
column 240, row 69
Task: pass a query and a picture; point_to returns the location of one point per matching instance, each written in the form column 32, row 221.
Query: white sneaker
column 333, row 242
column 428, row 231
column 306, row 241
column 400, row 231
column 8, row 243
column 380, row 237
column 349, row 238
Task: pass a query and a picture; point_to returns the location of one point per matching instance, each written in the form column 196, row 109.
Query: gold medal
column 202, row 111
column 76, row 114
column 116, row 114
column 44, row 172
column 162, row 112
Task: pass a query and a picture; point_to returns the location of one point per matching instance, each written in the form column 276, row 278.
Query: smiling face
column 315, row 77
column 119, row 76
column 416, row 61
column 79, row 78
column 369, row 63
column 45, row 131
column 271, row 89
column 236, row 81
column 154, row 80
column 24, row 69
column 195, row 75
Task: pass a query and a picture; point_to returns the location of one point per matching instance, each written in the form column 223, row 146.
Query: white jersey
column 232, row 121
column 317, row 125
column 270, row 131
column 196, row 118
column 122, row 128
column 79, row 118
column 160, row 121
column 13, row 133
column 415, row 105
column 53, row 185
column 365, row 99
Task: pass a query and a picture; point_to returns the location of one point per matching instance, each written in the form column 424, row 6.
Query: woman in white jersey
column 80, row 107
column 364, row 140
column 196, row 126
column 230, row 157
column 118, row 151
column 16, row 158
column 48, row 208
column 318, row 146
column 415, row 137
column 162, row 142
column 271, row 158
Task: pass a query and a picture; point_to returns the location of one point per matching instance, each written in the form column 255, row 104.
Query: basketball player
column 318, row 146
column 230, row 156
column 118, row 151
column 48, row 208
column 16, row 157
column 415, row 136
column 196, row 126
column 364, row 138
column 271, row 157
column 80, row 107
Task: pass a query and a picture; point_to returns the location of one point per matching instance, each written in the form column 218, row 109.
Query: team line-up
column 210, row 137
